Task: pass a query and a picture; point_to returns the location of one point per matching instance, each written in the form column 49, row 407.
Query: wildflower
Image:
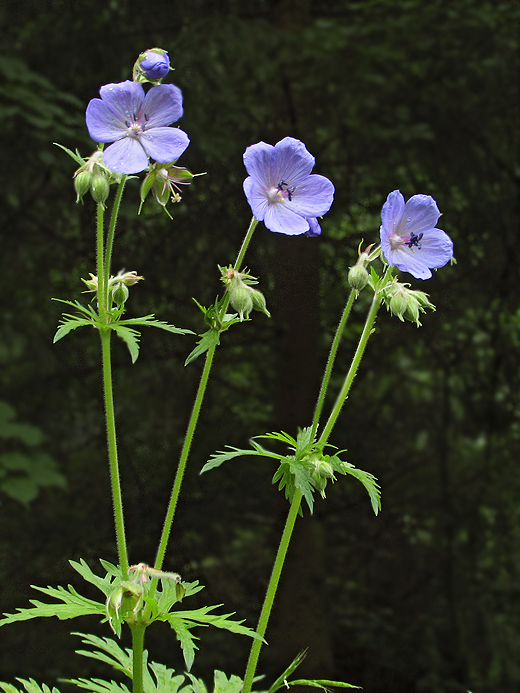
column 137, row 125
column 409, row 238
column 281, row 190
column 156, row 64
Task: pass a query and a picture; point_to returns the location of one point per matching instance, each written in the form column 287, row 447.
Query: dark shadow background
column 386, row 94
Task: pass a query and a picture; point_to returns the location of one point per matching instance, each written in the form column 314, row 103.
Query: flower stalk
column 271, row 590
column 192, row 423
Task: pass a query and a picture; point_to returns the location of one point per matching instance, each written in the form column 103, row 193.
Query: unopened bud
column 358, row 277
column 259, row 302
column 99, row 188
column 81, row 184
column 398, row 305
column 241, row 300
column 120, row 294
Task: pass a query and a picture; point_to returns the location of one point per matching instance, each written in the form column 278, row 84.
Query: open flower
column 281, row 190
column 137, row 125
column 409, row 238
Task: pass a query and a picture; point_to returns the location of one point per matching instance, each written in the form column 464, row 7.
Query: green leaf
column 207, row 340
column 30, row 686
column 150, row 321
column 369, row 482
column 69, row 323
column 321, row 683
column 219, row 458
column 106, row 584
column 183, row 621
column 72, row 606
column 282, row 679
column 99, row 686
column 74, row 155
column 224, row 685
column 130, row 338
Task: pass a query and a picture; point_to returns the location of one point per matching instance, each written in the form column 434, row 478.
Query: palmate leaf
column 105, row 584
column 207, row 340
column 219, row 458
column 99, row 685
column 69, row 323
column 369, row 482
column 183, row 621
column 72, row 605
column 30, row 686
column 130, row 338
column 157, row 678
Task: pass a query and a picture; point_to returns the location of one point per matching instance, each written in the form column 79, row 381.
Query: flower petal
column 255, row 194
column 124, row 99
column 313, row 197
column 280, row 219
column 102, row 124
column 420, row 213
column 126, row 156
column 314, row 227
column 392, row 212
column 164, row 144
column 257, row 160
column 436, row 248
column 291, row 162
column 162, row 105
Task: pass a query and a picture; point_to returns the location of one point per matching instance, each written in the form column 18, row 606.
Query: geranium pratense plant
column 283, row 193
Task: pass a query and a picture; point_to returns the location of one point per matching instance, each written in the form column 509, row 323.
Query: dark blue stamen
column 287, row 189
column 414, row 241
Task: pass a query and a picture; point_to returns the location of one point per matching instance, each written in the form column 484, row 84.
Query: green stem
column 100, row 261
column 111, row 232
column 137, row 657
column 190, row 431
column 330, row 362
column 112, row 451
column 367, row 330
column 271, row 590
column 184, row 458
column 245, row 244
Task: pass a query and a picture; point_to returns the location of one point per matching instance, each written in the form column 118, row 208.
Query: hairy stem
column 347, row 384
column 190, row 431
column 111, row 233
column 330, row 361
column 271, row 590
column 137, row 657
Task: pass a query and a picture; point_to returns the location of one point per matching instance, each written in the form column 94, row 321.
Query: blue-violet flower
column 155, row 65
column 281, row 190
column 137, row 125
column 409, row 238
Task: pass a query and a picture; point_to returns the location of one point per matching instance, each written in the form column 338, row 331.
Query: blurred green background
column 386, row 94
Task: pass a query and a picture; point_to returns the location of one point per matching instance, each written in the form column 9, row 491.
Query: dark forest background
column 420, row 96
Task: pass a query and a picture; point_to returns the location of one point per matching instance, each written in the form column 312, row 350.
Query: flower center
column 413, row 241
column 137, row 126
column 281, row 193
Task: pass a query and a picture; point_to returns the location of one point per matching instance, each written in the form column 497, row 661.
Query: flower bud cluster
column 321, row 471
column 117, row 286
column 93, row 175
column 242, row 296
column 405, row 303
column 152, row 65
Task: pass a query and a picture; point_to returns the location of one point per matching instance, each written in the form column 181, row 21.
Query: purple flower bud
column 155, row 65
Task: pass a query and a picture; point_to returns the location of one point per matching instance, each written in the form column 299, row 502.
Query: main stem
column 137, row 657
column 111, row 232
column 271, row 591
column 105, row 334
column 192, row 423
column 365, row 335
